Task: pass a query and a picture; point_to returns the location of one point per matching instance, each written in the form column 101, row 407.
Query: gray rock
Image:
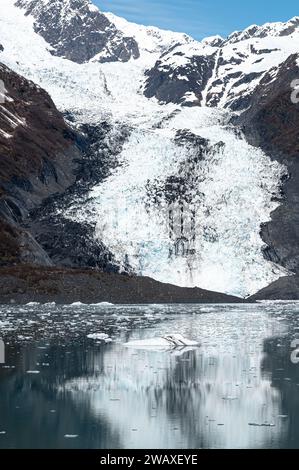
column 78, row 31
column 271, row 122
column 170, row 84
column 285, row 288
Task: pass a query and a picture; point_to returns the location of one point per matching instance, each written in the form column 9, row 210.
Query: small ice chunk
column 98, row 336
column 71, row 436
column 32, row 372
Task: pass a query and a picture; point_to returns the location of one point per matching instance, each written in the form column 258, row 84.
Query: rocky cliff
column 38, row 152
column 78, row 31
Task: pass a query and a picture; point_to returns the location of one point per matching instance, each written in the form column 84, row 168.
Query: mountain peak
column 150, row 38
column 78, row 31
column 213, row 41
column 274, row 29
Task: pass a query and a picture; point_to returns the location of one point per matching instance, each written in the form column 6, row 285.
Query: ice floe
column 168, row 341
column 100, row 337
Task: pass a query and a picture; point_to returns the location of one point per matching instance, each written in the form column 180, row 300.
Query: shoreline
column 25, row 284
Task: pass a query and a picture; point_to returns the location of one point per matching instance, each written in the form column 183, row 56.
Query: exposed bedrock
column 44, row 164
column 183, row 84
column 271, row 122
column 78, row 31
column 38, row 152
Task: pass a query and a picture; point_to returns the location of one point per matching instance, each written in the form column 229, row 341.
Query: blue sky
column 201, row 18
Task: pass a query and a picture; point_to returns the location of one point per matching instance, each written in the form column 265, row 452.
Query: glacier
column 232, row 198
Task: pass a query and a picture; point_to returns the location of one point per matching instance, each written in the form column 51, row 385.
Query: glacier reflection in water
column 238, row 390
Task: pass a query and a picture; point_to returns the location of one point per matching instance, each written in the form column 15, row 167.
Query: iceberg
column 169, row 341
column 99, row 337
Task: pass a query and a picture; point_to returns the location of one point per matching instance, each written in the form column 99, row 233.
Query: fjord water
column 60, row 389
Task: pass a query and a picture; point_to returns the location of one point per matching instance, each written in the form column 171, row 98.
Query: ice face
column 231, row 198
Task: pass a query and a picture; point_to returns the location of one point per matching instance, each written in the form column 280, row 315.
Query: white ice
column 168, row 341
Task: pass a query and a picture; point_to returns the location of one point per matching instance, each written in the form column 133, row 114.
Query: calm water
column 59, row 389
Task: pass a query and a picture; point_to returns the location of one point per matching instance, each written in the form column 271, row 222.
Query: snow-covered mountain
column 77, row 30
column 225, row 75
column 186, row 191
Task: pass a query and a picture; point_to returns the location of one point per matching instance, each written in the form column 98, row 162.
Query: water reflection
column 238, row 390
column 284, row 377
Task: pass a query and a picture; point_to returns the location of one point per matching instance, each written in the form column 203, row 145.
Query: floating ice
column 168, row 341
column 99, row 336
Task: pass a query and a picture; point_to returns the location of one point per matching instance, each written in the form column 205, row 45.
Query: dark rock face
column 171, row 84
column 272, row 122
column 237, row 101
column 253, row 31
column 293, row 26
column 182, row 187
column 9, row 244
column 78, row 31
column 228, row 81
column 285, row 288
column 37, row 147
column 45, row 165
column 38, row 152
column 262, row 51
column 213, row 97
column 64, row 286
column 67, row 242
